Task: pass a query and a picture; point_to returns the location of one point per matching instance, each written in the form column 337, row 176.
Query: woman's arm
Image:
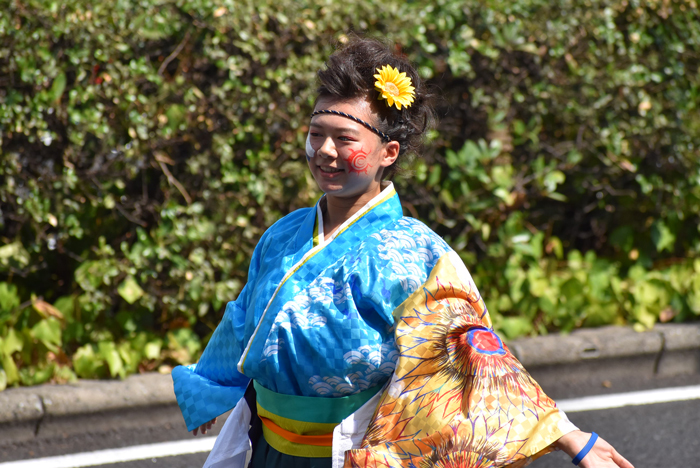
column 602, row 455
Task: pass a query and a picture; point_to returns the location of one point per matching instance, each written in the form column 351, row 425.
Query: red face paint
column 358, row 161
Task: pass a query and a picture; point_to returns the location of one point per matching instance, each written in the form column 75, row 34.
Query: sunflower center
column 391, row 88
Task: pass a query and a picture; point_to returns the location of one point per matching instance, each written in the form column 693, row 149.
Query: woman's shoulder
column 405, row 252
column 289, row 222
column 418, row 228
column 411, row 233
column 284, row 228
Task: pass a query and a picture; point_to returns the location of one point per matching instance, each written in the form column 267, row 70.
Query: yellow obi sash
column 303, row 426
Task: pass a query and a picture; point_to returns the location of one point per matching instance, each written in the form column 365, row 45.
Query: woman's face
column 346, row 158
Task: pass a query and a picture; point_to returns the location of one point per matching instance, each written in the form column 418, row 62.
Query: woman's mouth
column 329, row 170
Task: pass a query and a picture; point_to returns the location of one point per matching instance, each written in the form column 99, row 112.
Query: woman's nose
column 327, row 149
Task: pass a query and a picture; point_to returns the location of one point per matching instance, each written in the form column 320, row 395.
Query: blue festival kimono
column 314, row 320
column 330, row 319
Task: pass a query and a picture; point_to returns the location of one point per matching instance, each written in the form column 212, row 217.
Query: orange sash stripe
column 325, row 440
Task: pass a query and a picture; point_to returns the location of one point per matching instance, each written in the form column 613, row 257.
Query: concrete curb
column 59, row 410
column 63, row 410
column 609, row 353
column 605, row 343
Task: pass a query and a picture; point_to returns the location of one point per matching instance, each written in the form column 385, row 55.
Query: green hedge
column 147, row 144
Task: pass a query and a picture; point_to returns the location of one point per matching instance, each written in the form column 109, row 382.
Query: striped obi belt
column 303, row 426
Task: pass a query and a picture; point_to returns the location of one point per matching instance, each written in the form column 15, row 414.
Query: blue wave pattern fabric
column 314, row 320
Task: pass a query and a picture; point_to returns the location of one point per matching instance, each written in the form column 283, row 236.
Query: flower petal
column 394, row 86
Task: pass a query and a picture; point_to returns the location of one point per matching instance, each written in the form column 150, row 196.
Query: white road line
column 182, row 447
column 618, row 400
column 103, row 457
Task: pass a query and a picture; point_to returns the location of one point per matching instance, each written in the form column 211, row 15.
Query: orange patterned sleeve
column 458, row 397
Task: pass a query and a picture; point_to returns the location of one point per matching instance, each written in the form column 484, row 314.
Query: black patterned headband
column 374, row 129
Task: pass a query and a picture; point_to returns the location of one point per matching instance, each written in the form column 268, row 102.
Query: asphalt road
column 652, row 435
column 183, row 461
column 659, row 435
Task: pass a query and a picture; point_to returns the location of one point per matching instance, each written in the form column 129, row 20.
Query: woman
column 360, row 330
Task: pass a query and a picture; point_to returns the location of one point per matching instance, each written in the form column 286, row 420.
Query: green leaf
column 504, row 195
column 152, row 349
column 36, row 375
column 65, row 305
column 645, row 317
column 176, row 115
column 130, row 357
column 536, row 245
column 12, row 342
column 57, row 87
column 14, row 254
column 10, row 368
column 109, row 352
column 3, row 379
column 557, row 196
column 90, row 275
column 512, row 327
column 601, row 314
column 694, row 302
column 651, row 293
column 553, row 179
column 64, row 374
column 130, row 290
column 87, row 363
column 184, row 345
column 48, row 331
column 662, row 236
column 434, row 177
column 9, row 299
column 571, row 294
column 556, row 246
column 623, row 237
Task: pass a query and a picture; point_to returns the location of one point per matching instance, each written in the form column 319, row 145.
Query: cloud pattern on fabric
column 409, row 252
column 298, row 313
column 370, row 366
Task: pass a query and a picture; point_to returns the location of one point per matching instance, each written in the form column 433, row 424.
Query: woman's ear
column 391, row 153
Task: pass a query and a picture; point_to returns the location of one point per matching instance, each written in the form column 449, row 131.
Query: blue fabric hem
column 201, row 399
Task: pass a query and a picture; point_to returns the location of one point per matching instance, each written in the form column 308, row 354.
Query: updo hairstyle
column 349, row 74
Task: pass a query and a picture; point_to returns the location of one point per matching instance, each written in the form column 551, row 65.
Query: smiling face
column 346, row 158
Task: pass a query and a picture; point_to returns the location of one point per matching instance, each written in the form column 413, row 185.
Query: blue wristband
column 584, row 451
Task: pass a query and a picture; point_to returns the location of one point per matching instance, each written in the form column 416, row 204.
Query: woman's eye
column 344, row 138
column 314, row 134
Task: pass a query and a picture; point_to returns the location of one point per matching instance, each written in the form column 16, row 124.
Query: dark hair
column 349, row 74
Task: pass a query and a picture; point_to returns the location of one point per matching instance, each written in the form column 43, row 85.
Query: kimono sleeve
column 457, row 393
column 214, row 385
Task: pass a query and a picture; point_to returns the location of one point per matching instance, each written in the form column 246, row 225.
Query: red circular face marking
column 358, row 161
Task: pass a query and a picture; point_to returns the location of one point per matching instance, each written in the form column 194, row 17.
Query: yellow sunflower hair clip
column 395, row 87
